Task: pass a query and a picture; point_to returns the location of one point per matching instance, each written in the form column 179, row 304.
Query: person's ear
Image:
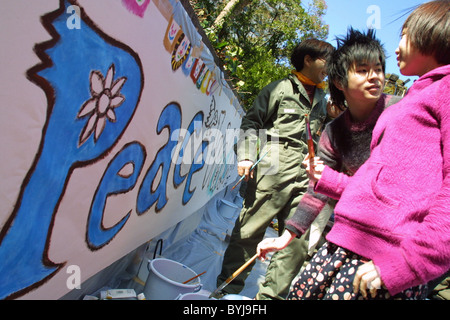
column 307, row 60
column 338, row 85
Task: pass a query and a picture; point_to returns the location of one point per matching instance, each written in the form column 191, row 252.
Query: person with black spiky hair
column 391, row 233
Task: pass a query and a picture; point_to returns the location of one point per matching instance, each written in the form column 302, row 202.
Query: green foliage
column 256, row 38
column 258, row 71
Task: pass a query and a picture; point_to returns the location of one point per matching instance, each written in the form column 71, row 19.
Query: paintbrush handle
column 252, row 167
column 234, row 275
column 242, row 268
column 311, row 149
column 309, row 137
column 187, row 281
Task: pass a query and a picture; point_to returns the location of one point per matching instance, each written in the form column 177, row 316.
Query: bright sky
column 387, row 17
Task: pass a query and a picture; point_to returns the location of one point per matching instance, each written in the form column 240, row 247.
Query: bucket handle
column 197, row 289
column 160, row 241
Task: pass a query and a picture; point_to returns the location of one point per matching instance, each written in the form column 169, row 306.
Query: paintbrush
column 194, row 277
column 234, row 275
column 309, row 138
column 253, row 167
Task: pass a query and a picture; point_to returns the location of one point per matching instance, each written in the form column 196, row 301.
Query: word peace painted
column 124, row 169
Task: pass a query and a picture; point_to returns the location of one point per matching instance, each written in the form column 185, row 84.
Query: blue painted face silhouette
column 93, row 84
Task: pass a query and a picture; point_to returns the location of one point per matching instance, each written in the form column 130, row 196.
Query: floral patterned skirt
column 329, row 276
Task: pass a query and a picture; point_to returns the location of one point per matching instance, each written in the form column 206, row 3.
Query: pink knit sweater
column 396, row 209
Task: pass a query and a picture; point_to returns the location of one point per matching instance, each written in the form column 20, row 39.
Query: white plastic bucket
column 234, row 297
column 194, row 296
column 165, row 280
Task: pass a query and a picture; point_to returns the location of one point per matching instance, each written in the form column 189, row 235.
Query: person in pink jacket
column 391, row 233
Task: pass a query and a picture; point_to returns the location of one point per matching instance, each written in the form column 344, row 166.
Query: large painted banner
column 116, row 124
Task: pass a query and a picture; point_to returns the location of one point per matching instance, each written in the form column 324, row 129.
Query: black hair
column 316, row 49
column 355, row 48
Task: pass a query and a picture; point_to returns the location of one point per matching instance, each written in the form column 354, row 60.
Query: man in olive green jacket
column 275, row 126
